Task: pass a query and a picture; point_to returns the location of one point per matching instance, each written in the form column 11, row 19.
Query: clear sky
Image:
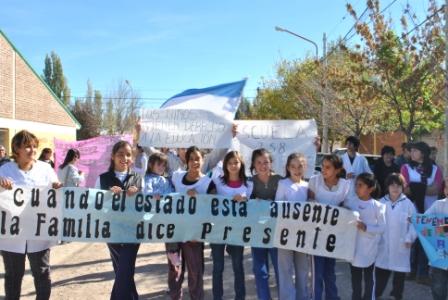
column 165, row 47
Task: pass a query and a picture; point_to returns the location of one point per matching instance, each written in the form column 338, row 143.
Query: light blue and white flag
column 222, row 99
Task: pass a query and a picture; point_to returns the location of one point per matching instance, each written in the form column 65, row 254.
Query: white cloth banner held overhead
column 281, row 138
column 182, row 128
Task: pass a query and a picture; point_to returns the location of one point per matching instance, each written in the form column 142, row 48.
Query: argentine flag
column 222, row 99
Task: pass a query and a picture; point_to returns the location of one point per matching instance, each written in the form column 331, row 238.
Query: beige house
column 27, row 102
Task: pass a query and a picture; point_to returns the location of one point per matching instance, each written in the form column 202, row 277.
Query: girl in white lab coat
column 394, row 249
column 371, row 226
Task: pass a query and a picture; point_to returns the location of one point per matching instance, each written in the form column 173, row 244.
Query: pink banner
column 95, row 155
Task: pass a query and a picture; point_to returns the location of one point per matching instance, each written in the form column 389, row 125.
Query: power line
column 424, row 21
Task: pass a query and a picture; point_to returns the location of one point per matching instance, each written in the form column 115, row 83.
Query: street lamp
column 300, row 37
column 324, row 101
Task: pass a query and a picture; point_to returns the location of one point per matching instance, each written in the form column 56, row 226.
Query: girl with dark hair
column 329, row 187
column 265, row 183
column 232, row 184
column 395, row 244
column 191, row 182
column 27, row 171
column 45, row 156
column 371, row 225
column 68, row 173
column 117, row 179
column 293, row 266
column 423, row 184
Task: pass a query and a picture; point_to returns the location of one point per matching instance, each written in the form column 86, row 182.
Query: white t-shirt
column 201, row 186
column 223, row 189
column 325, row 195
column 288, row 190
column 40, row 175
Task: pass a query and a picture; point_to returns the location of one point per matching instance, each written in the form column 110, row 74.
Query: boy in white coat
column 394, row 249
column 354, row 164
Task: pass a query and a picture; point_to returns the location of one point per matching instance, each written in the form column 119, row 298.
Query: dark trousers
column 236, row 253
column 381, row 279
column 358, row 274
column 325, row 277
column 15, row 269
column 123, row 260
column 419, row 261
column 193, row 259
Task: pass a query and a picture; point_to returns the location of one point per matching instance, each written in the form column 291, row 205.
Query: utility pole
column 445, row 150
column 324, row 98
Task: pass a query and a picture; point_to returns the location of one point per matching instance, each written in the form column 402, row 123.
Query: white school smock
column 415, row 176
column 223, row 189
column 40, row 175
column 288, row 190
column 359, row 165
column 69, row 176
column 200, row 186
column 325, row 195
column 373, row 214
column 392, row 252
column 439, row 207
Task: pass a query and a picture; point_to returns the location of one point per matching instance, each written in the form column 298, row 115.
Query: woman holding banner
column 265, row 183
column 191, row 182
column 25, row 170
column 329, row 187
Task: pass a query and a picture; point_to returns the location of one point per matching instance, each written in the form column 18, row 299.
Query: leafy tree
column 53, row 75
column 408, row 65
column 244, row 110
column 122, row 108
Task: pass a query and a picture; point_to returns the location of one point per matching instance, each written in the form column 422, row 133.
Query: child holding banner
column 26, row 171
column 439, row 283
column 156, row 184
column 232, row 184
column 293, row 263
column 371, row 225
column 394, row 251
column 117, row 179
column 191, row 182
column 265, row 183
column 329, row 187
column 68, row 173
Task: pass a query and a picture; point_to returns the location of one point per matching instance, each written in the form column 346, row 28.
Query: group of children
column 383, row 242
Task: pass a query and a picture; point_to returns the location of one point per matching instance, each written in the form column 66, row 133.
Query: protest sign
column 432, row 231
column 281, row 138
column 89, row 215
column 182, row 128
column 95, row 155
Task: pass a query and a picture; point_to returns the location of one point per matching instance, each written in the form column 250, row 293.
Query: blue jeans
column 260, row 267
column 439, row 283
column 236, row 253
column 324, row 275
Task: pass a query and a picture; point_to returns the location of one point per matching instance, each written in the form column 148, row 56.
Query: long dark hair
column 257, row 153
column 71, row 155
column 369, row 180
column 427, row 163
column 115, row 148
column 188, row 153
column 242, row 173
column 44, row 152
column 291, row 157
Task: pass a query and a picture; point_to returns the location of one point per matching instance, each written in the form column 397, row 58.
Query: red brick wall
column 394, row 139
column 34, row 102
